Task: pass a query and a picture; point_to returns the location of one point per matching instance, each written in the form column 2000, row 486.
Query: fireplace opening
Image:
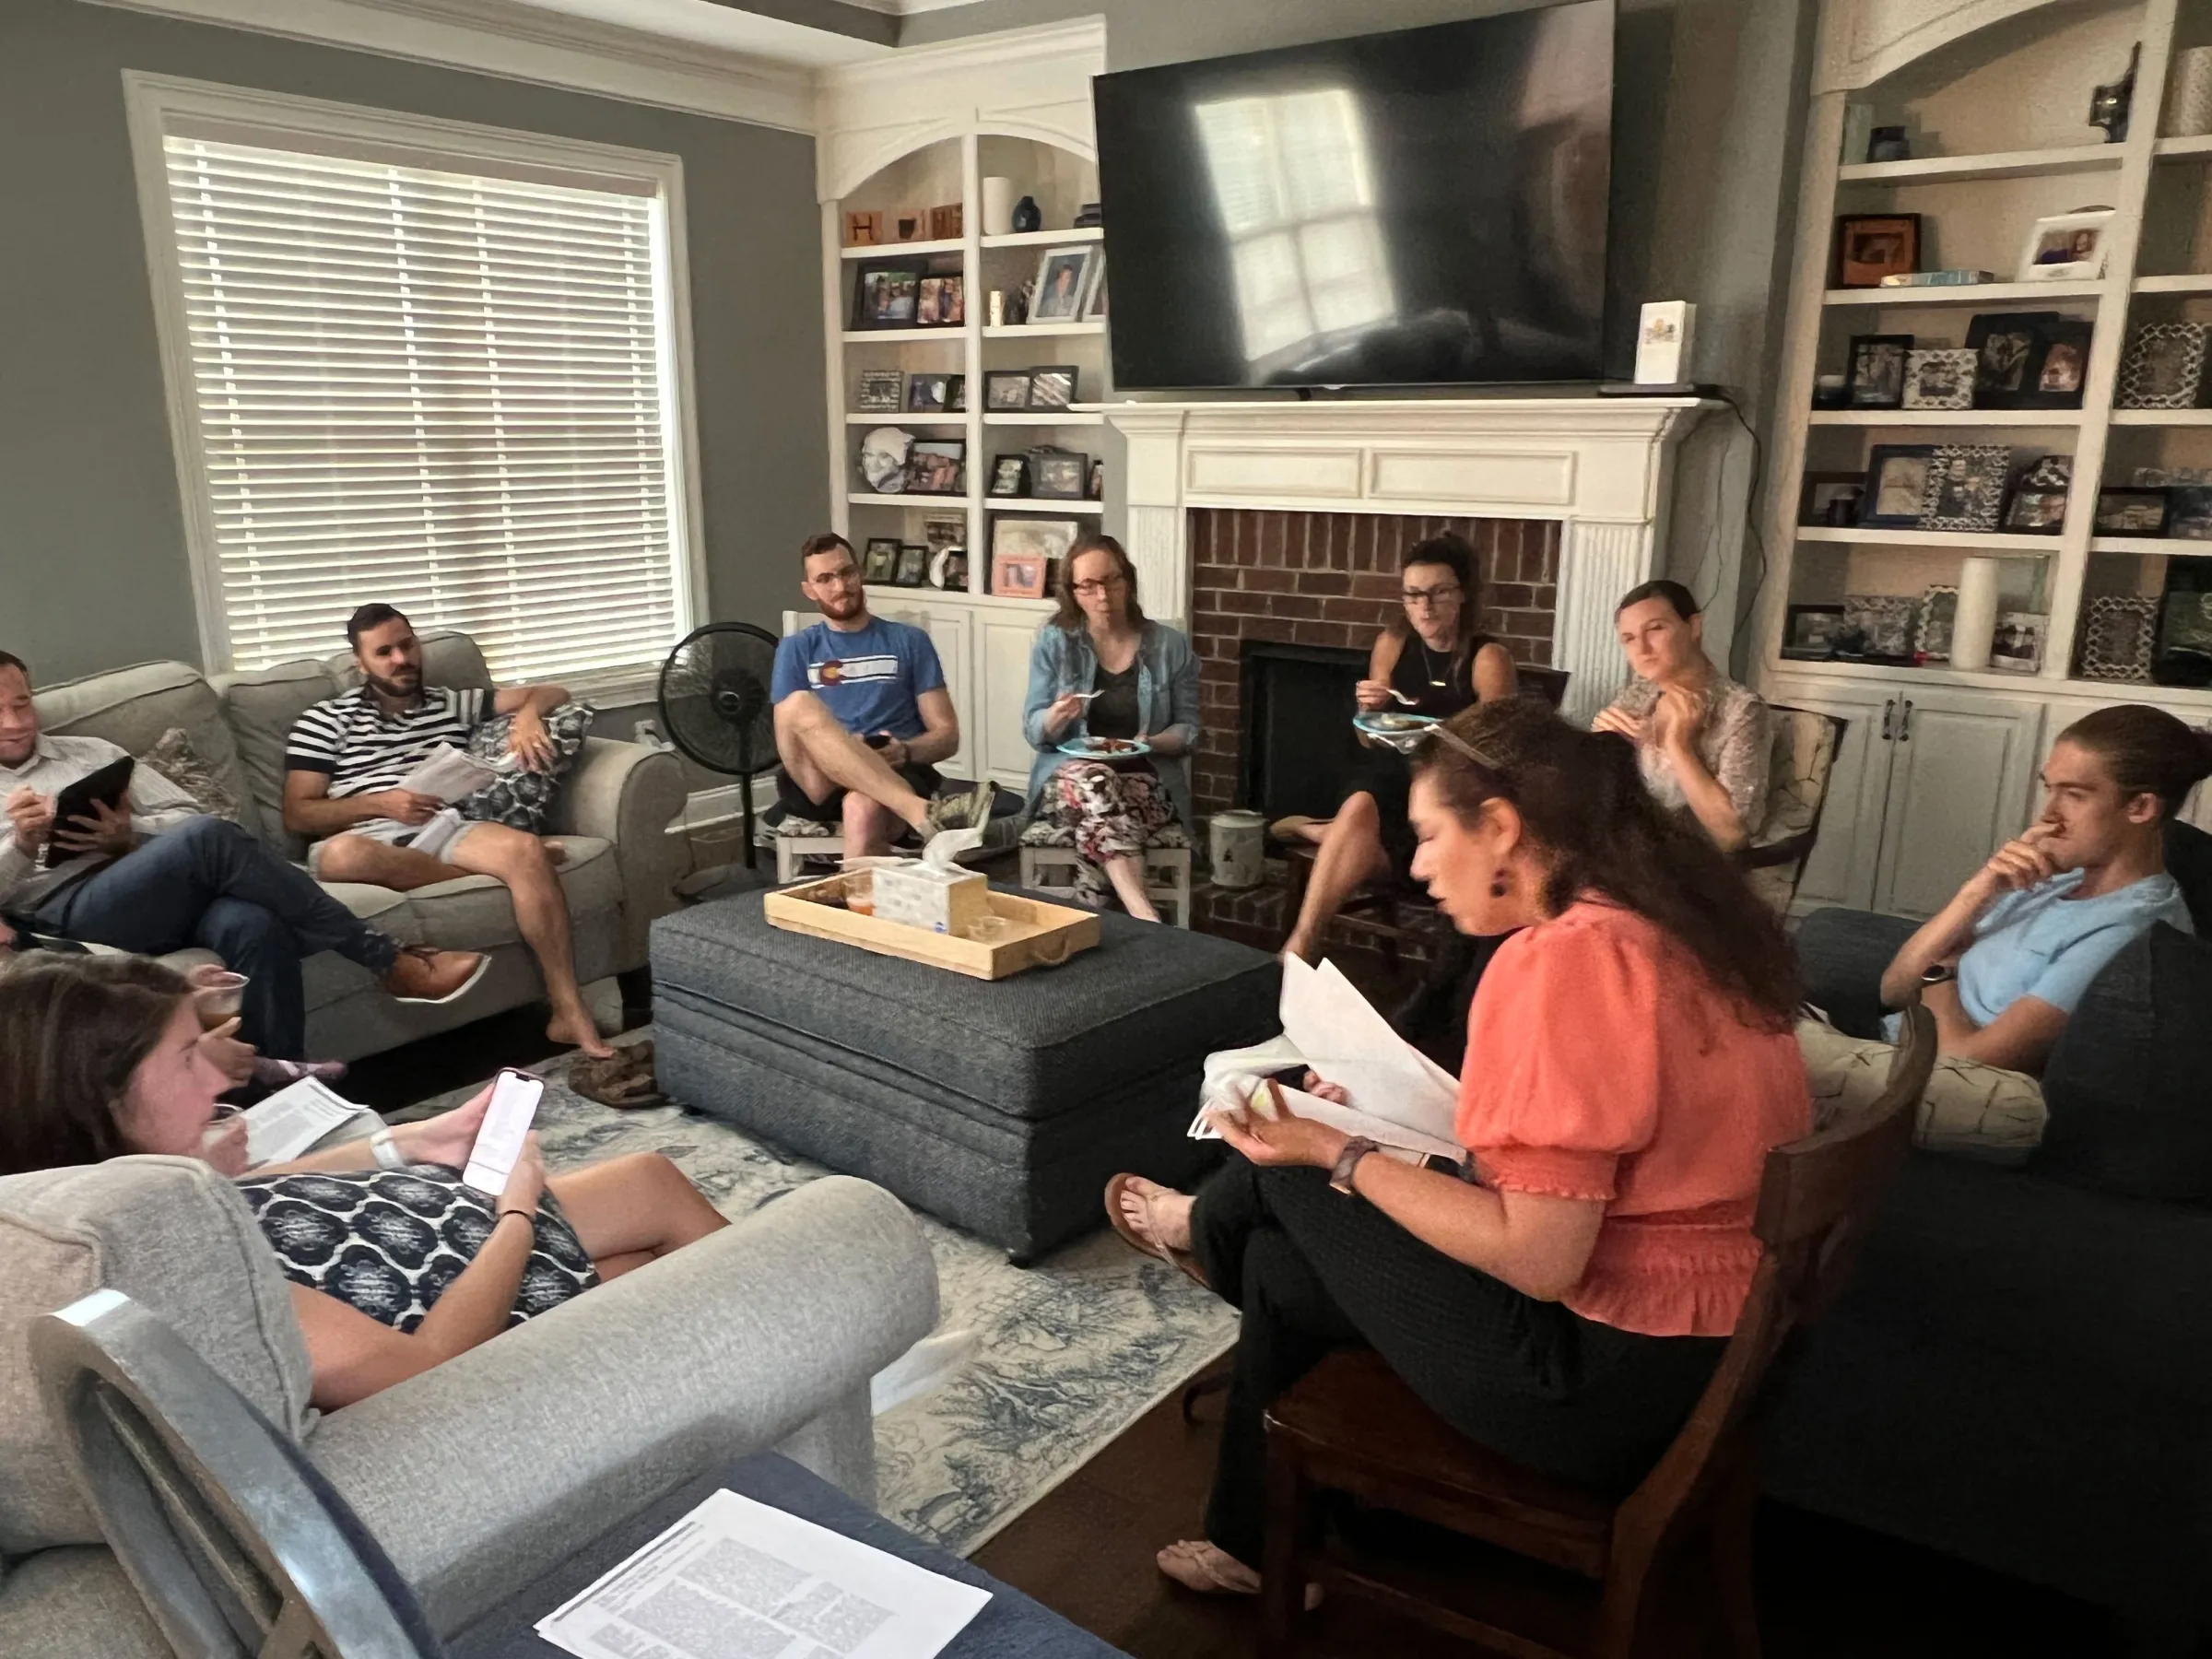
column 1297, row 749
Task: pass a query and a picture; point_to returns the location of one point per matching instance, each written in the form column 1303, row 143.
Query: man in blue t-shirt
column 863, row 715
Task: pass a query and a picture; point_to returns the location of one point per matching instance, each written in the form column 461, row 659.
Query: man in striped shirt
column 348, row 758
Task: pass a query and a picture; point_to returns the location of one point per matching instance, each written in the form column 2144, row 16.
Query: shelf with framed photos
column 1971, row 540
column 1070, row 417
column 1040, row 504
column 2012, row 164
column 1045, row 238
column 2183, row 282
column 2151, row 546
column 2162, row 417
column 2050, row 419
column 953, row 245
column 1023, row 331
column 1965, row 293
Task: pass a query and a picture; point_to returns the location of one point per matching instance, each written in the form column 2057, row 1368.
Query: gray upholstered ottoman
column 1000, row 1106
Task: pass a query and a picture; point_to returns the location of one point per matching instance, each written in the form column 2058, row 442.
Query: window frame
column 280, row 121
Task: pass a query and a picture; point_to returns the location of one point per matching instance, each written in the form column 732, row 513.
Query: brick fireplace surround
column 1332, row 579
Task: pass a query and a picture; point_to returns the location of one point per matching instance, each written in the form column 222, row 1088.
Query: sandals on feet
column 1182, row 1260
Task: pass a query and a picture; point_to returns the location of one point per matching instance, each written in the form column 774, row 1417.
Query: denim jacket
column 1167, row 694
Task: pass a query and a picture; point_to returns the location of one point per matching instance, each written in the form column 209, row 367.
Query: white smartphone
column 514, row 1097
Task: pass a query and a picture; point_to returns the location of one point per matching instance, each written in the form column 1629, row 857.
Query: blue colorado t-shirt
column 869, row 679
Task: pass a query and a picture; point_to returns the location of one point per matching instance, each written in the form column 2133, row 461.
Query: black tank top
column 1425, row 675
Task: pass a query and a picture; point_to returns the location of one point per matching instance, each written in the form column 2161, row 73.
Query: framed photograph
column 1005, row 389
column 1010, row 476
column 1896, row 482
column 864, row 228
column 1811, row 632
column 1870, row 246
column 1063, row 280
column 2189, row 512
column 1830, row 497
column 2157, row 477
column 879, row 391
column 1966, row 487
column 2062, row 367
column 1094, row 308
column 2066, row 247
column 2164, row 367
column 1015, row 575
column 934, row 466
column 1058, row 474
column 2018, row 645
column 913, row 565
column 2007, row 349
column 879, row 562
column 929, row 394
column 1053, row 388
column 1878, row 370
column 1096, row 490
column 1938, row 617
column 942, row 302
column 2181, row 655
column 2130, row 512
column 949, row 569
column 2036, row 512
column 943, row 530
column 2117, row 638
column 1883, row 624
column 1940, row 378
column 1033, row 545
column 887, row 294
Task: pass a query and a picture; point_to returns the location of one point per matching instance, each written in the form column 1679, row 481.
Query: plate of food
column 1392, row 726
column 1105, row 748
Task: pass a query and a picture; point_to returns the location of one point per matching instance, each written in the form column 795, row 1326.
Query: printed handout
column 293, row 1119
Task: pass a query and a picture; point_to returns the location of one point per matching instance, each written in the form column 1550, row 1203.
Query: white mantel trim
column 1601, row 467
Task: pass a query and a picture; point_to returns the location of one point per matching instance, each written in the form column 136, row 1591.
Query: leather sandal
column 1183, row 1261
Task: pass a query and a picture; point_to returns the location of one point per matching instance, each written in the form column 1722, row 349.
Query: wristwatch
column 386, row 1150
column 1358, row 1147
column 1937, row 974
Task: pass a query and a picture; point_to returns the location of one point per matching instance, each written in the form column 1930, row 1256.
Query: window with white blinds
column 447, row 387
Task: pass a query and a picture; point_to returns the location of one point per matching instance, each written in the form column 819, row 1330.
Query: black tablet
column 107, row 787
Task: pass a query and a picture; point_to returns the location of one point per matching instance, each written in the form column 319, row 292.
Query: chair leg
column 1735, row 1508
column 1195, row 1392
column 1282, row 1586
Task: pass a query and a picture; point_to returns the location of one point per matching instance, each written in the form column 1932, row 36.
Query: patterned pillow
column 521, row 798
column 1972, row 1109
column 175, row 758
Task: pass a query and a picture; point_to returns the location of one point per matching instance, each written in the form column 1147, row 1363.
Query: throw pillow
column 175, row 758
column 1974, row 1111
column 517, row 798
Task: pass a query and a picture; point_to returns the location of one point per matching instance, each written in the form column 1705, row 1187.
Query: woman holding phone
column 394, row 1263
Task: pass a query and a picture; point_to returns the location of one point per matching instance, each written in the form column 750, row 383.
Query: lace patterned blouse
column 1733, row 740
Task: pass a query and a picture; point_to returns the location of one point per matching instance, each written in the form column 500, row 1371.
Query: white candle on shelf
column 998, row 206
column 1974, row 624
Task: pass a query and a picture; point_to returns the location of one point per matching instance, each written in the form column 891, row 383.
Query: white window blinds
column 448, row 391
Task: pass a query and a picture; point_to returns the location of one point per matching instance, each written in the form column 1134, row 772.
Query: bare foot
column 1207, row 1568
column 1159, row 1214
column 556, row 853
column 577, row 1031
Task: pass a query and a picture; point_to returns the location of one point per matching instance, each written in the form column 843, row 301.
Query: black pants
column 209, row 883
column 1313, row 1270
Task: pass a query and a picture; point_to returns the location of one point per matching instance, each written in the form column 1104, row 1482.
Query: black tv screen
column 1421, row 207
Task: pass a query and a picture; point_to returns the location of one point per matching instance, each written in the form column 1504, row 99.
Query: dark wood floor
column 1826, row 1590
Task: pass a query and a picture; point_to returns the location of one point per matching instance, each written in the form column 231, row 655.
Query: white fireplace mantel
column 1600, row 465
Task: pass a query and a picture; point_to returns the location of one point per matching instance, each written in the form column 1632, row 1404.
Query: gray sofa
column 490, row 1470
column 612, row 812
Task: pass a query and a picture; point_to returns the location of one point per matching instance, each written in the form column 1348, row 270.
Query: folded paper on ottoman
column 1001, row 1107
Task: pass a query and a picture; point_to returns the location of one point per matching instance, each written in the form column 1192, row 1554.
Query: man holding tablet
column 146, row 870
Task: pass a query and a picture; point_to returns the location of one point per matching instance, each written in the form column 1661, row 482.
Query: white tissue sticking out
column 948, row 844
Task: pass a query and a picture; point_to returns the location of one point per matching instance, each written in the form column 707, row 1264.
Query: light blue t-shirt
column 2041, row 943
column 869, row 679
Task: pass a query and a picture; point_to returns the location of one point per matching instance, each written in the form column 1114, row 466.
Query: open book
column 447, row 774
column 1400, row 1098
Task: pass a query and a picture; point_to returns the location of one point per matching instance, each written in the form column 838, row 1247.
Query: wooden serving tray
column 1040, row 935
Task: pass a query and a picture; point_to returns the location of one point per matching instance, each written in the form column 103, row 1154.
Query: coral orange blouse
column 1604, row 1065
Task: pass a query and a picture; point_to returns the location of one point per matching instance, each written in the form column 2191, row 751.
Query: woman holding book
column 1564, row 1296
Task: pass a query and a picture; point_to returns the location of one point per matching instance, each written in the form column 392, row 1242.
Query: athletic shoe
column 962, row 811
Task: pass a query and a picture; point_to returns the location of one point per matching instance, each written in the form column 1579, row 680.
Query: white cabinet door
column 1841, row 869
column 1003, row 682
column 1961, row 785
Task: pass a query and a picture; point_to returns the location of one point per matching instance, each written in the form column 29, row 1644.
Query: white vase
column 1974, row 624
column 1240, row 848
column 998, row 206
column 2189, row 104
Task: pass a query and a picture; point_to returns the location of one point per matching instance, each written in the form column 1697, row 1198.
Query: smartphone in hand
column 507, row 1120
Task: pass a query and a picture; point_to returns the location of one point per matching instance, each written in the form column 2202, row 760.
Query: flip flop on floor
column 1206, row 1568
column 1182, row 1260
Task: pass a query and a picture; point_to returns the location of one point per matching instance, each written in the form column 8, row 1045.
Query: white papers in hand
column 287, row 1122
column 447, row 774
column 738, row 1580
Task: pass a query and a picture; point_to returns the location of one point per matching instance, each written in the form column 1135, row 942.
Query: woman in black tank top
column 1438, row 664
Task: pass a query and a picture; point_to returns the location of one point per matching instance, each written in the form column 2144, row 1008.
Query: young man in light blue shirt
column 2005, row 963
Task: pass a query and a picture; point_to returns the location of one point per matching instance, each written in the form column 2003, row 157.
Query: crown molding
column 999, row 50
column 519, row 42
column 907, row 8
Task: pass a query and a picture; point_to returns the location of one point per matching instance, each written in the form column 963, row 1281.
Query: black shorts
column 923, row 779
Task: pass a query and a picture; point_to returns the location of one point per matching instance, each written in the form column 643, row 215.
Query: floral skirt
column 1113, row 813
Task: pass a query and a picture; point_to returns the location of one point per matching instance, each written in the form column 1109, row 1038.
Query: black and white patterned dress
column 389, row 1241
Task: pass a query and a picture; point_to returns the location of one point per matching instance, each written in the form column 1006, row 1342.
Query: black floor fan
column 716, row 705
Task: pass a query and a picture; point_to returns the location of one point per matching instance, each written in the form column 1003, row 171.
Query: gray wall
column 91, row 536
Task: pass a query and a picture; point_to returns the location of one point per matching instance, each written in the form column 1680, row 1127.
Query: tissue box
column 922, row 895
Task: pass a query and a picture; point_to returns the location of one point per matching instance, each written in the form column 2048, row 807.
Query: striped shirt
column 351, row 741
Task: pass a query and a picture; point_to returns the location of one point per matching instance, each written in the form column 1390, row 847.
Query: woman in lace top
column 1701, row 739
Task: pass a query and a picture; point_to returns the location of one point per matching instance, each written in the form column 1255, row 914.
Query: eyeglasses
column 1435, row 596
column 1091, row 590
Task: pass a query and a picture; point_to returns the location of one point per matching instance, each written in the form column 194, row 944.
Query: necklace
column 1428, row 666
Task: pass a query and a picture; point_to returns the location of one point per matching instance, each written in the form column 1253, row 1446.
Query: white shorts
column 392, row 833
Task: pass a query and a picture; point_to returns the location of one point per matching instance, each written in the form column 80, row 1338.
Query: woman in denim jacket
column 1099, row 671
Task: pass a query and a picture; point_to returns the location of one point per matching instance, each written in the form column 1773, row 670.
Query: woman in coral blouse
column 1565, row 1297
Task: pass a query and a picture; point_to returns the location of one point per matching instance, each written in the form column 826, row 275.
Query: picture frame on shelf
column 1939, row 377
column 1097, row 490
column 2067, row 247
column 941, row 302
column 2007, row 347
column 1966, row 487
column 1883, row 623
column 1810, row 632
column 2164, row 367
column 2181, row 655
column 1058, row 474
column 2189, row 512
column 932, row 394
column 1896, row 482
column 1053, row 386
column 2119, row 634
column 884, row 452
column 2127, row 510
column 2158, row 478
column 949, row 569
column 1870, row 246
column 1094, row 308
column 1010, row 476
column 2017, row 647
column 1830, row 498
column 913, row 565
column 943, row 530
column 1939, row 618
column 2062, row 367
column 879, row 562
column 1876, row 376
column 936, row 467
column 887, row 293
column 1063, row 280
column 2036, row 512
column 879, row 391
column 1006, row 390
column 1032, row 546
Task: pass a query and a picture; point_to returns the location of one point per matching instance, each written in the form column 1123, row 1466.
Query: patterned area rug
column 1069, row 1352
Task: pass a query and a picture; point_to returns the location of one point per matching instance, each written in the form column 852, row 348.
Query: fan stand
column 738, row 700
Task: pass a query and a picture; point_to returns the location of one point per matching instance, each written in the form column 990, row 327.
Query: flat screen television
column 1421, row 207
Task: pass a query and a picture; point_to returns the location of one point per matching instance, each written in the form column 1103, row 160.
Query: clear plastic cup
column 219, row 993
column 860, row 891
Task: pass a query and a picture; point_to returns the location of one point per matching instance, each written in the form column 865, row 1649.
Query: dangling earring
column 1497, row 885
